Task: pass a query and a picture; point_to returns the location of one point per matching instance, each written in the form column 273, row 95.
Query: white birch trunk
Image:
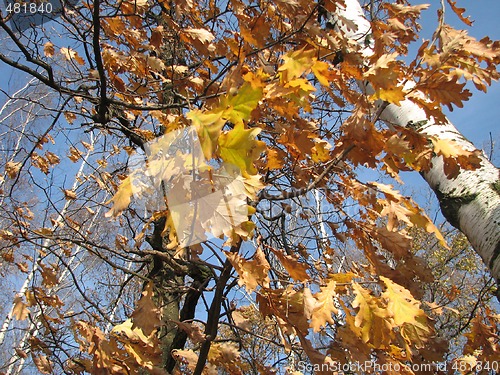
column 471, row 201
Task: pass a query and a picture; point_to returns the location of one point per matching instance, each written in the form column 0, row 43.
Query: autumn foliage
column 325, row 260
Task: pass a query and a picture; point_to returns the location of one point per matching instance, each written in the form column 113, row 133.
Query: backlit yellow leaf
column 239, row 147
column 122, row 198
column 393, row 95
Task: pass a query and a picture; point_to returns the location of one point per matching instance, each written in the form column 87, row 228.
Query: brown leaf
column 12, row 168
column 252, row 273
column 241, row 321
column 21, row 353
column 324, row 307
column 69, row 194
column 194, row 332
column 48, row 49
column 146, row 315
column 460, row 13
column 74, row 154
column 296, row 270
column 397, row 243
column 70, row 54
column 42, row 363
column 20, row 311
column 49, row 275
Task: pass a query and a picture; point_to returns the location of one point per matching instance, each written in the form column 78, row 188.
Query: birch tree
column 469, row 199
column 221, row 147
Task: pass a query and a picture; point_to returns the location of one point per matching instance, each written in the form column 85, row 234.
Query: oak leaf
column 71, row 54
column 252, row 273
column 296, row 270
column 401, row 304
column 460, row 13
column 394, row 95
column 372, row 322
column 43, row 364
column 146, row 315
column 325, row 306
column 322, row 72
column 202, row 35
column 20, row 310
column 296, row 63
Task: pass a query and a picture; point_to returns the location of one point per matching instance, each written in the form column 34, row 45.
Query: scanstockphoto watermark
column 369, row 367
column 205, row 199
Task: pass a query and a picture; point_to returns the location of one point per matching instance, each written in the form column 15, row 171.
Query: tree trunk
column 471, row 201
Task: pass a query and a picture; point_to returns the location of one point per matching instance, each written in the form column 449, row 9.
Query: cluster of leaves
column 262, row 84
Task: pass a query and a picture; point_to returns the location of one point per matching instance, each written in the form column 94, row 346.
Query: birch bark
column 471, row 201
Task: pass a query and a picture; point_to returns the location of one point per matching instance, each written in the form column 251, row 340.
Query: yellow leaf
column 296, row 63
column 448, row 148
column 320, row 70
column 202, row 35
column 223, row 354
column 401, row 304
column 273, row 160
column 239, row 107
column 121, row 199
column 372, row 319
column 239, row 147
column 208, row 126
column 321, row 151
column 325, row 307
column 393, row 95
